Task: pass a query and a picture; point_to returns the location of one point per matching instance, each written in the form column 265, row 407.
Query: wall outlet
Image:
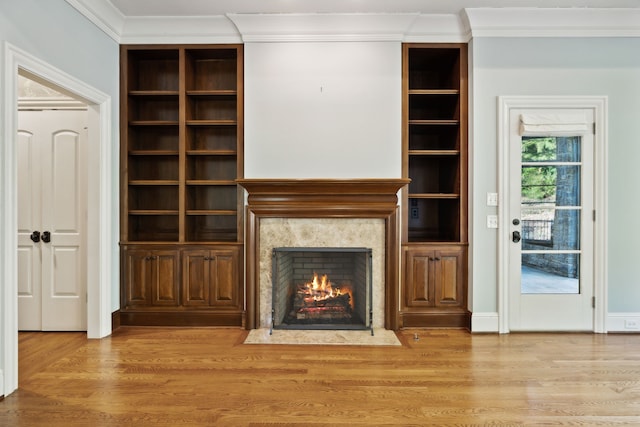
column 415, row 213
column 631, row 324
column 492, row 221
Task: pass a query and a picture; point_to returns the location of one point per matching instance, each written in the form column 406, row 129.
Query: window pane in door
column 550, row 273
column 550, row 214
column 550, row 229
column 550, row 149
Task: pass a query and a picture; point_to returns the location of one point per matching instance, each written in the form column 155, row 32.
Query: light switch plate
column 492, row 199
column 492, row 221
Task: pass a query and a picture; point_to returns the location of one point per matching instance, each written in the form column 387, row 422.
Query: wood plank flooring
column 207, row 377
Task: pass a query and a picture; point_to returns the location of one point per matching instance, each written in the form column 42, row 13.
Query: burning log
column 318, row 301
column 323, row 313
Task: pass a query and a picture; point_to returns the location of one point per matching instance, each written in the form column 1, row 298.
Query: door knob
column 515, row 236
column 35, row 237
column 46, row 236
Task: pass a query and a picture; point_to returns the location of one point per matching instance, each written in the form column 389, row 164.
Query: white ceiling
column 130, row 8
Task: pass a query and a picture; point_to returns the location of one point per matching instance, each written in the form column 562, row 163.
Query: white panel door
column 52, row 266
column 29, row 218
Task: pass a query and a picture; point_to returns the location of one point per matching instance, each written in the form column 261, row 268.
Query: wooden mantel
column 322, row 198
column 332, row 194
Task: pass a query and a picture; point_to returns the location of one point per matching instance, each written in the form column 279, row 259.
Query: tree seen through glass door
column 550, row 214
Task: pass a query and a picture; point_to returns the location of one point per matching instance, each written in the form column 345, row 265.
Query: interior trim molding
column 485, row 322
column 619, row 322
column 50, row 104
column 553, row 22
column 409, row 27
column 439, row 28
column 287, row 27
column 179, row 29
column 103, row 14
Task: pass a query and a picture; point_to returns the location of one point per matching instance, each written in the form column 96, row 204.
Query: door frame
column 99, row 201
column 599, row 106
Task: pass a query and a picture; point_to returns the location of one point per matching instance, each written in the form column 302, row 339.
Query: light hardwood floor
column 207, row 377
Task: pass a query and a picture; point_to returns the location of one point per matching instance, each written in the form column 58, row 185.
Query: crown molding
column 439, row 28
column 179, row 29
column 558, row 22
column 409, row 27
column 322, row 27
column 103, row 14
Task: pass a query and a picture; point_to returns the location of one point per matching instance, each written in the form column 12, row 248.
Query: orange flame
column 320, row 289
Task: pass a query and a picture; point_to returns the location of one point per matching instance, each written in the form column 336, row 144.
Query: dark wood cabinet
column 210, row 278
column 434, row 280
column 151, row 278
column 434, row 234
column 181, row 154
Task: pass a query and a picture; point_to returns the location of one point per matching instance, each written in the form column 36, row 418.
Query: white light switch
column 492, row 221
column 492, row 199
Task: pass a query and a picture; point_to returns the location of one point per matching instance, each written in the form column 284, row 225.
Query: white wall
column 567, row 66
column 323, row 110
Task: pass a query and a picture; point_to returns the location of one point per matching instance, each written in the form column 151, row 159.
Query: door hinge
column 594, row 215
column 593, row 302
column 594, row 128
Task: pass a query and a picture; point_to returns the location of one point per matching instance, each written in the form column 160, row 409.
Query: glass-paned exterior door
column 550, row 222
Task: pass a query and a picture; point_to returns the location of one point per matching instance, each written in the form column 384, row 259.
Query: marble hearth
column 322, row 213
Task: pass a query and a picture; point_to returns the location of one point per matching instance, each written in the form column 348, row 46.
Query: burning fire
column 321, row 289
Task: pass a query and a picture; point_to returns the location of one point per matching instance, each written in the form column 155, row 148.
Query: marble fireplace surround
column 322, row 213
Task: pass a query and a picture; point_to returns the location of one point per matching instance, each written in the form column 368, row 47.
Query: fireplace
column 321, row 288
column 322, row 213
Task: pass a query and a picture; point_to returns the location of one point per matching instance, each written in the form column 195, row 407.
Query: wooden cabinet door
column 196, row 277
column 164, row 278
column 434, row 277
column 224, row 270
column 136, row 278
column 419, row 279
column 448, row 277
column 210, row 277
column 151, row 278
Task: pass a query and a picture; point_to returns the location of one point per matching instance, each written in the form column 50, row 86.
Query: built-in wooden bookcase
column 434, row 236
column 211, row 145
column 181, row 139
column 152, row 134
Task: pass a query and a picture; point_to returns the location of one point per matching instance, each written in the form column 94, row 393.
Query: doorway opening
column 99, row 201
column 51, row 149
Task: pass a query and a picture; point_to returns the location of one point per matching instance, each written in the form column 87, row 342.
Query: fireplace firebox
column 321, row 288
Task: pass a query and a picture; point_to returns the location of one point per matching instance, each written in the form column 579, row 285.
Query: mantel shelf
column 341, row 187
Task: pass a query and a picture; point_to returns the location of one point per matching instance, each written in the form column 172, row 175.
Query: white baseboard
column 616, row 322
column 623, row 322
column 485, row 322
